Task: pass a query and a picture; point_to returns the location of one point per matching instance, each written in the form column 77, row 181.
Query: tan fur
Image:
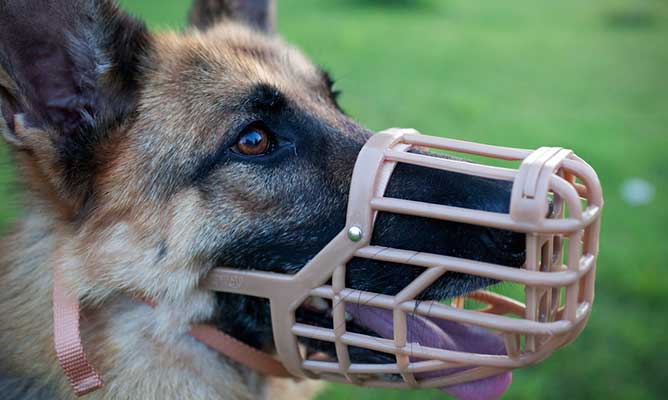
column 113, row 258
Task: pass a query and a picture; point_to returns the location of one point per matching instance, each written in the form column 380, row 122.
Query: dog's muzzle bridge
column 477, row 337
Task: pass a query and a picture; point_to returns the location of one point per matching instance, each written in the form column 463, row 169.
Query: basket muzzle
column 556, row 202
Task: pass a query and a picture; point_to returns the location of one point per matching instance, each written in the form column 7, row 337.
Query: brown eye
column 255, row 140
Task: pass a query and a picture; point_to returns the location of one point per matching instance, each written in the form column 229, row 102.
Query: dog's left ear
column 69, row 75
column 260, row 14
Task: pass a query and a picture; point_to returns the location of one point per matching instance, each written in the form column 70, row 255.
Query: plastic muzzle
column 556, row 283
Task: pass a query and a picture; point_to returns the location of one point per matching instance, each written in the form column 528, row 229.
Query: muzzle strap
column 256, row 360
column 234, row 349
column 67, row 340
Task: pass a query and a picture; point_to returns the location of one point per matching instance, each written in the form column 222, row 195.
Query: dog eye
column 254, row 140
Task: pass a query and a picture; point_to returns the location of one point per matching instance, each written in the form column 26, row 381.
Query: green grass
column 590, row 75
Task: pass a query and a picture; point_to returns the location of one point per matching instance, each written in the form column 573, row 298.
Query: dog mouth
column 421, row 332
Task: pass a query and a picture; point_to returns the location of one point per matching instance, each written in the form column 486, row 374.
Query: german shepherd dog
column 150, row 158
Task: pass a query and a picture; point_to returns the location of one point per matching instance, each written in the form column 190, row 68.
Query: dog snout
column 450, row 238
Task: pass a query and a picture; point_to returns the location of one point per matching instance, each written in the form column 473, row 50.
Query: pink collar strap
column 67, row 340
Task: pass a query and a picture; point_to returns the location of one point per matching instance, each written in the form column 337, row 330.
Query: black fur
column 264, row 97
column 334, row 94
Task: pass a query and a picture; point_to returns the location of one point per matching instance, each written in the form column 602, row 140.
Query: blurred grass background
column 590, row 75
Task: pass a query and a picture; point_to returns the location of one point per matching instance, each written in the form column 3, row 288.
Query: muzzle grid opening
column 545, row 306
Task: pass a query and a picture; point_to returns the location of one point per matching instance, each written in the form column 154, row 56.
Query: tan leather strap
column 67, row 341
column 235, row 350
column 240, row 352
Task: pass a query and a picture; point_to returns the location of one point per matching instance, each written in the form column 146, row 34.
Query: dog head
column 161, row 156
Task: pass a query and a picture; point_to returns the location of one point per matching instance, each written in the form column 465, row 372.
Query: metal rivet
column 355, row 234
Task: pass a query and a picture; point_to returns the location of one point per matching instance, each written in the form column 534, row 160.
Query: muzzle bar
column 557, row 280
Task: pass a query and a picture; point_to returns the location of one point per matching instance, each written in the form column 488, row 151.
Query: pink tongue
column 432, row 333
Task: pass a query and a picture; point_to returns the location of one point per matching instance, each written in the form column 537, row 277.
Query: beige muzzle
column 557, row 278
column 556, row 281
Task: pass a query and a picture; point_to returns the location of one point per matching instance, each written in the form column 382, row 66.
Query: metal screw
column 355, row 234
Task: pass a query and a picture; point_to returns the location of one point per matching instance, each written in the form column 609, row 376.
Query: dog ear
column 260, row 14
column 69, row 74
